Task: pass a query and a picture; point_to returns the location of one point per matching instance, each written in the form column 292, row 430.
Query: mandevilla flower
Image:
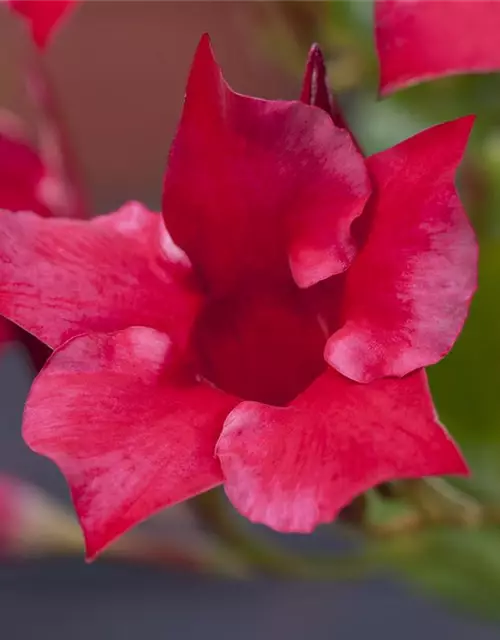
column 424, row 39
column 42, row 16
column 272, row 340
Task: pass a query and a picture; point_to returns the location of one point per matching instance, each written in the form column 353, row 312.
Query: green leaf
column 463, row 567
column 465, row 384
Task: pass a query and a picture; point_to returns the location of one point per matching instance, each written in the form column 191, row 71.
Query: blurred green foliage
column 463, row 566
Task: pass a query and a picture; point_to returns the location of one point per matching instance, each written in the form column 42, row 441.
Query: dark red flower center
column 263, row 346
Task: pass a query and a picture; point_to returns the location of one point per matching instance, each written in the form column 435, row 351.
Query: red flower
column 42, row 16
column 422, row 39
column 172, row 375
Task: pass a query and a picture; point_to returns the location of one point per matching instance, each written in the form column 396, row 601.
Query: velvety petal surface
column 264, row 345
column 419, row 40
column 408, row 292
column 21, row 171
column 60, row 278
column 255, row 188
column 296, row 467
column 42, row 16
column 129, row 429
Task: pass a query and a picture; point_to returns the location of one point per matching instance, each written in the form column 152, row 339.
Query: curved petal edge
column 129, row 428
column 408, row 292
column 420, row 40
column 296, row 467
column 260, row 190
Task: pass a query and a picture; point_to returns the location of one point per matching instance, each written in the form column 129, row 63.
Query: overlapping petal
column 131, row 431
column 407, row 294
column 296, row 467
column 42, row 16
column 60, row 278
column 256, row 187
column 419, row 40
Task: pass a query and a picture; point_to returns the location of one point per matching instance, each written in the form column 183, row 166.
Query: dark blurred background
column 120, row 69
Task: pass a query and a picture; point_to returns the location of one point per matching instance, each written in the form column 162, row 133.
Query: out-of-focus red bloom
column 22, row 171
column 203, row 361
column 44, row 180
column 420, row 40
column 25, row 185
column 42, row 16
column 37, row 181
column 9, row 512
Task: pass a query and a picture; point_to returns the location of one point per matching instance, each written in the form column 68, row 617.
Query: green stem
column 436, row 504
column 442, row 504
column 211, row 510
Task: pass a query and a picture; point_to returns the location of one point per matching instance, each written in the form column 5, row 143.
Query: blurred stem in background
column 33, row 525
column 270, row 559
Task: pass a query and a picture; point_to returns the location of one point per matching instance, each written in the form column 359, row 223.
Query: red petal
column 253, row 185
column 408, row 292
column 421, row 40
column 60, row 278
column 42, row 16
column 21, row 171
column 296, row 467
column 128, row 432
column 262, row 346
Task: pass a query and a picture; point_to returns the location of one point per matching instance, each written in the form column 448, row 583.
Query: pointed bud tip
column 315, row 52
